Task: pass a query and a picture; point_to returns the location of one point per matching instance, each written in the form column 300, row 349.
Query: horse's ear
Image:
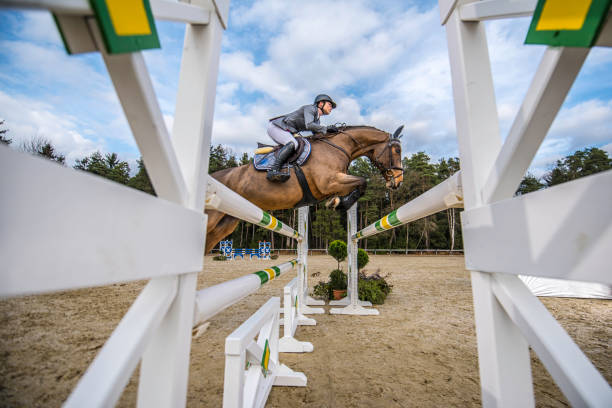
column 397, row 133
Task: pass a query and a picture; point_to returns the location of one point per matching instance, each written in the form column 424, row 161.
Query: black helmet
column 324, row 97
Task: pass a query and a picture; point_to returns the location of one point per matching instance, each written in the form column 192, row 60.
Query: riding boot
column 275, row 174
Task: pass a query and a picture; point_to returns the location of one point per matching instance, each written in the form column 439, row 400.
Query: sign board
column 567, row 23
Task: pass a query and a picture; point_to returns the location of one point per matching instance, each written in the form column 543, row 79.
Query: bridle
column 391, row 142
column 388, row 171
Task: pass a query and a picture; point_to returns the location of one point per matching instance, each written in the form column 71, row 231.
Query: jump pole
column 221, row 198
column 213, row 299
column 448, row 194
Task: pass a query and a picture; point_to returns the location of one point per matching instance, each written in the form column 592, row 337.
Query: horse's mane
column 344, row 128
column 359, row 127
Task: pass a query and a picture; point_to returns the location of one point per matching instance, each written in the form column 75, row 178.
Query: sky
column 385, row 63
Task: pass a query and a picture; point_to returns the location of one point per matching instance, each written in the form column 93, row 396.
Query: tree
column 528, row 184
column 42, row 147
column 362, row 258
column 327, row 225
column 337, row 249
column 141, row 180
column 3, row 138
column 582, row 163
column 245, row 159
column 108, row 166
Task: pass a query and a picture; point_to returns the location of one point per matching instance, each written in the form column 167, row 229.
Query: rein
column 387, row 171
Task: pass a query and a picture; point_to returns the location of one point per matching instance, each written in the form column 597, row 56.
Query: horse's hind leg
column 219, row 226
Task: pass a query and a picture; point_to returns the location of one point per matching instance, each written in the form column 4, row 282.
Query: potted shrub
column 337, row 283
column 337, row 279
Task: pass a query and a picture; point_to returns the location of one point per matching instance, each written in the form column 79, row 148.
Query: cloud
column 587, row 124
column 385, row 63
column 27, row 119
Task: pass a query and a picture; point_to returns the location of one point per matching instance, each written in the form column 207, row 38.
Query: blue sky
column 385, row 63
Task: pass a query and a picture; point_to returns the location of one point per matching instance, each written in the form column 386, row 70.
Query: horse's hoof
column 332, row 203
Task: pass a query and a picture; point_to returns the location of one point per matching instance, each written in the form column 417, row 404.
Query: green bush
column 322, row 290
column 337, row 249
column 373, row 288
column 219, row 258
column 362, row 258
column 275, row 256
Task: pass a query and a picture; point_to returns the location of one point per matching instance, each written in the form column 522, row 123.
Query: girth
column 307, row 197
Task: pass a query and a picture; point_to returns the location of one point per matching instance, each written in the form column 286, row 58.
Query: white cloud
column 39, row 26
column 385, row 65
column 586, row 124
column 27, row 119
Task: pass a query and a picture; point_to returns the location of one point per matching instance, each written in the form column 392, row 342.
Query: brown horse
column 325, row 172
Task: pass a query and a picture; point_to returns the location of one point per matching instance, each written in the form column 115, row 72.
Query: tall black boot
column 274, row 174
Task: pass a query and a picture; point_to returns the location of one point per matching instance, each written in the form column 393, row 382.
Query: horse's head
column 387, row 157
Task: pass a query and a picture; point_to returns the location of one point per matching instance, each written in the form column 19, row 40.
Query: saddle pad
column 262, row 162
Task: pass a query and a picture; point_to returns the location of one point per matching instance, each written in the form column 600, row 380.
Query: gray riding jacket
column 304, row 118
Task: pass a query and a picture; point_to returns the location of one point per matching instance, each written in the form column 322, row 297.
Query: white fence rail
column 292, row 318
column 251, row 387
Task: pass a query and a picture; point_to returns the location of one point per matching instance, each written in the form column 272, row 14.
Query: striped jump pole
column 223, row 199
column 212, row 300
column 448, row 194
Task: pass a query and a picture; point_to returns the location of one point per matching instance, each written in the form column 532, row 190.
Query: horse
column 325, row 172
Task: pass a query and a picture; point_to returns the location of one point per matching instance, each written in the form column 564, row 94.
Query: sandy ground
column 419, row 352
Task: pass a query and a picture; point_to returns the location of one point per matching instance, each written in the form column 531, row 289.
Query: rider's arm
column 311, row 121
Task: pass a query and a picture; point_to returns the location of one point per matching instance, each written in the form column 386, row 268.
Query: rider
column 281, row 130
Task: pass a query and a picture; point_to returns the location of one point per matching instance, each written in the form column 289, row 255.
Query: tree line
column 105, row 165
column 438, row 231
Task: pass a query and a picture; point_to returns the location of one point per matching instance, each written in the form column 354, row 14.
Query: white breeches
column 280, row 136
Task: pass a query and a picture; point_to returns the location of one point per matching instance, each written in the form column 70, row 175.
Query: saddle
column 263, row 161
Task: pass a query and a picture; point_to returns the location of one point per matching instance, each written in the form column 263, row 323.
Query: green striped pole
column 212, row 300
column 221, row 198
column 447, row 194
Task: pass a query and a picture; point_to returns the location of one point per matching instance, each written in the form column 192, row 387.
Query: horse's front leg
column 348, row 189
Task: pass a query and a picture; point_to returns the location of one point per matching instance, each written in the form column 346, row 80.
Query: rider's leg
column 280, row 136
column 289, row 145
column 274, row 174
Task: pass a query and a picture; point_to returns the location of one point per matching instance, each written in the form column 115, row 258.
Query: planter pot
column 339, row 293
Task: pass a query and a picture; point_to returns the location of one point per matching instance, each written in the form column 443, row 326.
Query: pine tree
column 141, row 180
column 108, row 166
column 42, row 147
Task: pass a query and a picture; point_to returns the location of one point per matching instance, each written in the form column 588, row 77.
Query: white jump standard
column 354, row 306
column 251, row 387
column 304, row 300
column 292, row 318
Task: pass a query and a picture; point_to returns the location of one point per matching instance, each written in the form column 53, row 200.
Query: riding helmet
column 323, row 97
